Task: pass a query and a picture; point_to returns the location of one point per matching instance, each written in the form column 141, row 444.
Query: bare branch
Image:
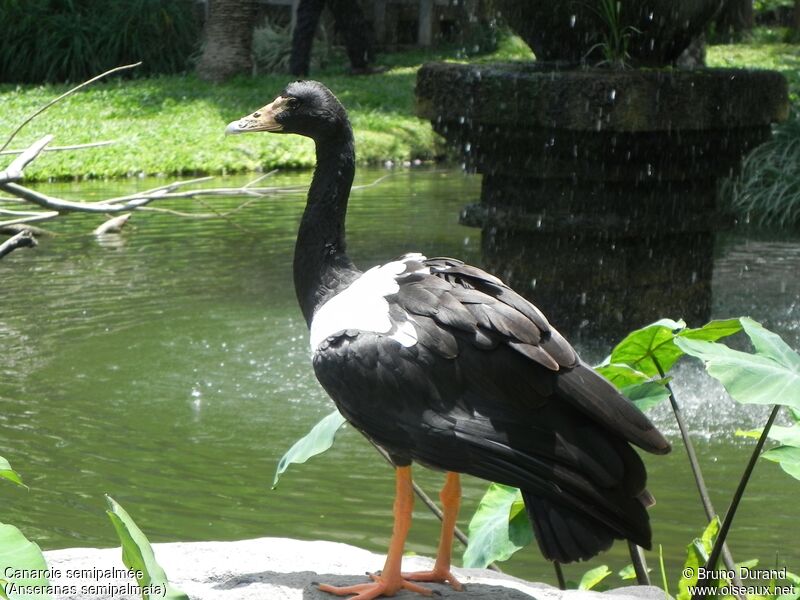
column 13, row 172
column 62, row 148
column 36, row 231
column 157, row 191
column 62, row 96
column 42, row 216
column 24, row 239
column 113, row 225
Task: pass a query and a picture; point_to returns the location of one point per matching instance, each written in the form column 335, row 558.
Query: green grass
column 172, row 125
column 777, row 56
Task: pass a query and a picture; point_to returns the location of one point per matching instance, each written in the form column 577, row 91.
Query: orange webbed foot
column 437, row 575
column 380, row 586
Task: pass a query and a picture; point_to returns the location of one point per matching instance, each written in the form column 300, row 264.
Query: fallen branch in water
column 24, row 239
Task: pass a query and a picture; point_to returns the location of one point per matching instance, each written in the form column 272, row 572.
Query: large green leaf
column 520, row 531
column 770, row 376
column 621, row 375
column 639, row 348
column 18, row 553
column 138, row 555
column 788, row 457
column 644, row 391
column 489, row 534
column 316, row 441
column 696, row 556
column 648, row 394
column 654, row 345
column 6, row 472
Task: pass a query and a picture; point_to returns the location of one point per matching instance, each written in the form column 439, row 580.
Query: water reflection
column 171, row 371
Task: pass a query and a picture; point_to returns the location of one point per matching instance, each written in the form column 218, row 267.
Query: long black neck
column 321, row 265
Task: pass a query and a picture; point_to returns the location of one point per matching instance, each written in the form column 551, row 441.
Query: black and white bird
column 442, row 364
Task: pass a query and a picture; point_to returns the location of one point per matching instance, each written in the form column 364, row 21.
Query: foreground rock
column 286, row 569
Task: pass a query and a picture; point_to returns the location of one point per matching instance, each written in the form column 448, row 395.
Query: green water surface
column 169, row 367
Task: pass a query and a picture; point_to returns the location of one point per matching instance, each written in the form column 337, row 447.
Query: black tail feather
column 566, row 536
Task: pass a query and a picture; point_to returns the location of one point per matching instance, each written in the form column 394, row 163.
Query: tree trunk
column 796, row 18
column 735, row 17
column 228, row 43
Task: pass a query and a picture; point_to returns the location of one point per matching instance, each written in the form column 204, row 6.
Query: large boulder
column 286, row 569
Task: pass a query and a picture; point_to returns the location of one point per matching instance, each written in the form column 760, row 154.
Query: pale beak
column 261, row 120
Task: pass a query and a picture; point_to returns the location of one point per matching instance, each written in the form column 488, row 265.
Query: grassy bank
column 173, row 125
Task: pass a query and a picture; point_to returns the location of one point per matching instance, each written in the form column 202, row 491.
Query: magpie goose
column 442, row 364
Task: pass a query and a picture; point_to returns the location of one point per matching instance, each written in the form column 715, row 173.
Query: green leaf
column 714, row 330
column 137, row 555
column 648, row 394
column 768, row 377
column 785, row 435
column 770, row 344
column 520, row 531
column 621, row 375
column 593, row 576
column 654, row 344
column 489, row 531
column 788, row 457
column 627, row 573
column 794, row 581
column 16, row 553
column 6, row 472
column 639, row 348
column 696, row 556
column 749, row 433
column 316, row 441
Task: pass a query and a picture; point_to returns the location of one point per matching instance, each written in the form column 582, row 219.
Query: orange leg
column 451, row 500
column 390, row 580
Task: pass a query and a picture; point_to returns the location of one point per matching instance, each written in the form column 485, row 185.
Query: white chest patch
column 363, row 306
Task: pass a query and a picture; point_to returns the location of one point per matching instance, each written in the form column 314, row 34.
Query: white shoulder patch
column 363, row 306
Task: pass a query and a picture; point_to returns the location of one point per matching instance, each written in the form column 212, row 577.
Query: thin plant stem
column 700, row 481
column 714, row 555
column 663, row 570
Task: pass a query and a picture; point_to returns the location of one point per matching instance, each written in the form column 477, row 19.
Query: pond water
column 168, row 367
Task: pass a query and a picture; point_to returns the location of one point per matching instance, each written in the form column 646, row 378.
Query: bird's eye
column 292, row 103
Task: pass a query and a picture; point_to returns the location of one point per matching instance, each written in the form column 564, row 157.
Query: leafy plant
column 138, row 555
column 771, row 374
column 316, row 441
column 272, row 46
column 53, row 41
column 767, row 190
column 616, row 37
column 696, row 556
column 9, row 474
column 17, row 553
column 498, row 528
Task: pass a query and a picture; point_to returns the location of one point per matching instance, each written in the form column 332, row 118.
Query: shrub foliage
column 72, row 40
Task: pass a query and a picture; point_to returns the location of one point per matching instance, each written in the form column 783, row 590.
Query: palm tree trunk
column 227, row 49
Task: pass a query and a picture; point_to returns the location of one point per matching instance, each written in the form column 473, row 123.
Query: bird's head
column 305, row 107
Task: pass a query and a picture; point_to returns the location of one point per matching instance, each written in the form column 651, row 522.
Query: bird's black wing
column 489, row 314
column 487, row 387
